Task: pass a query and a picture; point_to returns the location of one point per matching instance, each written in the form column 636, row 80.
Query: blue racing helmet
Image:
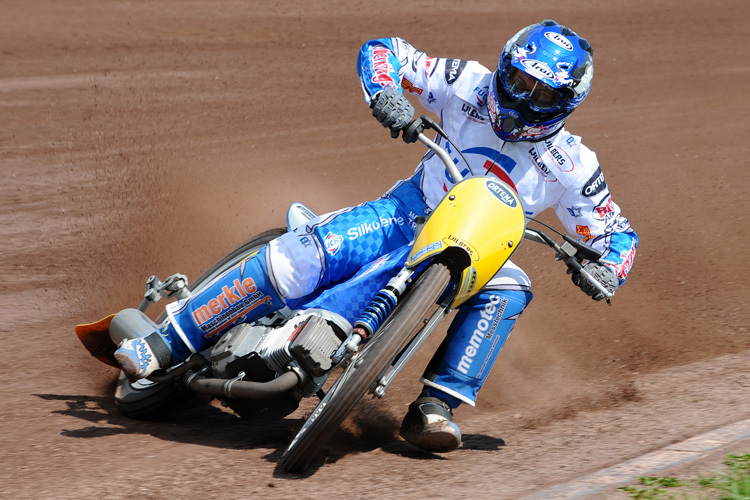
column 543, row 74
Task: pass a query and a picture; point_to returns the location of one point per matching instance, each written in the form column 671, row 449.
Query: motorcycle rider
column 509, row 123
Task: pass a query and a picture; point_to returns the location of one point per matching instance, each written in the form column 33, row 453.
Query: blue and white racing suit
column 359, row 248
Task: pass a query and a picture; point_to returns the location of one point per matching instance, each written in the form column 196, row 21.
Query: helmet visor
column 521, row 86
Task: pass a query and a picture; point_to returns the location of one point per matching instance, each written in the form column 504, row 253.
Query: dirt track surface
column 145, row 138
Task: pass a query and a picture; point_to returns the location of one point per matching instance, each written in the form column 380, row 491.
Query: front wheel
column 365, row 367
column 144, row 399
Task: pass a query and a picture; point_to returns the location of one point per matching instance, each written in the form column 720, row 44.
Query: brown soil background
column 151, row 137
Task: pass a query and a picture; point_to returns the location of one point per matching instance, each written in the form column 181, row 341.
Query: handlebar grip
column 591, row 279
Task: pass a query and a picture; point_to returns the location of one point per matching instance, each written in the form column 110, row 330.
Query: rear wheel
column 366, row 367
column 144, row 399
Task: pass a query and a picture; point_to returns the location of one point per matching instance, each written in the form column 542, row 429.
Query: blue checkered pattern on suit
column 354, row 237
column 351, row 297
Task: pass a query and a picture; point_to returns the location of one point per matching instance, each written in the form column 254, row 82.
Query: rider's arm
column 588, row 210
column 395, row 63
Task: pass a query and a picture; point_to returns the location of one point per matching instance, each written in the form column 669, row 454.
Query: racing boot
column 429, row 425
column 140, row 357
column 242, row 294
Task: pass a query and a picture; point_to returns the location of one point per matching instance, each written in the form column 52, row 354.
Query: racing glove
column 392, row 109
column 601, row 273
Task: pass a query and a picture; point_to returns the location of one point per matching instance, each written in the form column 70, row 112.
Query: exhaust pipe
column 241, row 389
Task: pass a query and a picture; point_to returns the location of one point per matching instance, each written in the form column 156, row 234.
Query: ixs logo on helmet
column 559, row 40
column 501, row 193
column 333, row 243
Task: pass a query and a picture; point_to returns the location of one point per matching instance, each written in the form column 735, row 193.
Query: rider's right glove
column 602, row 274
column 392, row 109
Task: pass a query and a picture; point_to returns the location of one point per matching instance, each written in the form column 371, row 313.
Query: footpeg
column 175, row 285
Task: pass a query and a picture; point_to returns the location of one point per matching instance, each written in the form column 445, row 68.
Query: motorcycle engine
column 306, row 341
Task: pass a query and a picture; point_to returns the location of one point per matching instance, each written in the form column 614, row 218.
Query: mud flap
column 95, row 338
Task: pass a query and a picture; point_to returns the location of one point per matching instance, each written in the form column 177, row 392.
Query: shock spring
column 376, row 312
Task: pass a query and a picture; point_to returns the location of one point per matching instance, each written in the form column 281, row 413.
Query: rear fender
column 95, row 338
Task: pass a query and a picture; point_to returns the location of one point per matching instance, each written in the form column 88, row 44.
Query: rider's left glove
column 601, row 273
column 392, row 109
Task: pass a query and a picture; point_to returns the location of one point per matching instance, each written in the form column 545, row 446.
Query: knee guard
column 482, row 325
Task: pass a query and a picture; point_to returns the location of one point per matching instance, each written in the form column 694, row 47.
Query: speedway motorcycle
column 263, row 370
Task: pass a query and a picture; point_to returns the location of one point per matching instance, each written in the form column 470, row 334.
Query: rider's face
column 540, row 95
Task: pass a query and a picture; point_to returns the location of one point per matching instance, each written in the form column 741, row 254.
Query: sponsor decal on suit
column 453, row 69
column 595, row 184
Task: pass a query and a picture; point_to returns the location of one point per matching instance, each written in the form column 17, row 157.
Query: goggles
column 521, row 86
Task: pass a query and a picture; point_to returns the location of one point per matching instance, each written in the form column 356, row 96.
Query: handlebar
column 570, row 251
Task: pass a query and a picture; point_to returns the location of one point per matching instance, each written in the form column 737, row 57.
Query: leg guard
column 476, row 336
column 239, row 295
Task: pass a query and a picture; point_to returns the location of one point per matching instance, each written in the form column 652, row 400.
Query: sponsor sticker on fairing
column 452, row 240
column 500, row 192
column 427, row 250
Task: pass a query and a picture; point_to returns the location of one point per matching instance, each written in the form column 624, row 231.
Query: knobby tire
column 365, row 368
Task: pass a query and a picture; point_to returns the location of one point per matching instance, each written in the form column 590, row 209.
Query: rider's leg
column 333, row 247
column 242, row 294
column 325, row 250
column 460, row 367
